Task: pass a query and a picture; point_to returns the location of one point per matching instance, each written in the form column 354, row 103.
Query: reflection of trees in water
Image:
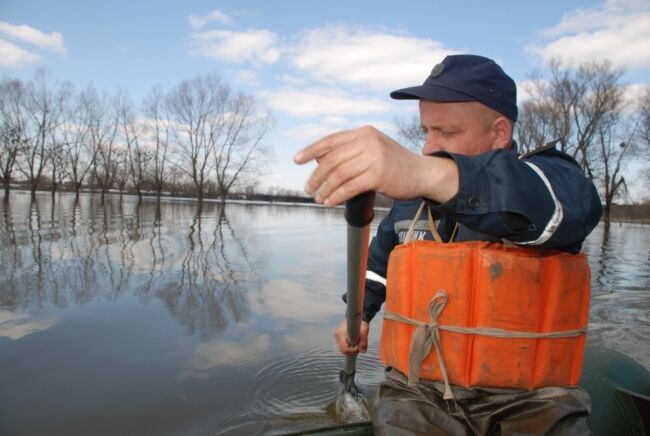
column 601, row 274
column 647, row 283
column 85, row 250
column 9, row 256
column 618, row 258
column 619, row 303
column 209, row 288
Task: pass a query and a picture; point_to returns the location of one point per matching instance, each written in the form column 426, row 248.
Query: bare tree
column 137, row 159
column 644, row 112
column 121, row 169
column 13, row 129
column 615, row 140
column 546, row 116
column 644, row 135
column 599, row 108
column 571, row 105
column 196, row 109
column 585, row 108
column 76, row 133
column 158, row 132
column 58, row 165
column 59, row 157
column 240, row 153
column 410, row 132
column 102, row 133
column 44, row 103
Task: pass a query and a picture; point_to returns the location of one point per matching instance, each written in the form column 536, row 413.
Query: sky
column 318, row 67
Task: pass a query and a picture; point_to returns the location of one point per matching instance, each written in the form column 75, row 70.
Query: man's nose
column 430, row 145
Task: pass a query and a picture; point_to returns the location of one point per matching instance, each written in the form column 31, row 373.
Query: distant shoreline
column 622, row 213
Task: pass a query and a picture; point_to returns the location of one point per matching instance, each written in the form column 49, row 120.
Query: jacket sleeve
column 544, row 200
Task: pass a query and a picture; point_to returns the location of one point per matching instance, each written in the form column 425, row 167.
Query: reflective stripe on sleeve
column 370, row 275
column 557, row 216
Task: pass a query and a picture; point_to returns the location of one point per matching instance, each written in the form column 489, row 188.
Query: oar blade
column 351, row 405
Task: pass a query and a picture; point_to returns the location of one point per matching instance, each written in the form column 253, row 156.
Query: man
column 477, row 189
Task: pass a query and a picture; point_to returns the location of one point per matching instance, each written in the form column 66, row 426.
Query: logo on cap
column 437, row 70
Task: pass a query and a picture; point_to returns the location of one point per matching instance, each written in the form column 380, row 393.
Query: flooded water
column 120, row 317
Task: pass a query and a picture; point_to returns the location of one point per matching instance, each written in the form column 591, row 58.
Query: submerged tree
column 644, row 112
column 240, row 152
column 102, row 133
column 75, row 131
column 216, row 133
column 45, row 101
column 136, row 157
column 157, row 130
column 573, row 105
column 195, row 107
column 584, row 107
column 13, row 129
column 644, row 135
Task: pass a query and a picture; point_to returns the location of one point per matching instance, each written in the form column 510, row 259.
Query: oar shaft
column 350, row 364
column 357, row 260
column 358, row 214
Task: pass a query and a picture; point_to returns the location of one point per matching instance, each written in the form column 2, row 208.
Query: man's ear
column 502, row 129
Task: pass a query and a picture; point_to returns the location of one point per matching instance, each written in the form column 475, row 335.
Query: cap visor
column 430, row 92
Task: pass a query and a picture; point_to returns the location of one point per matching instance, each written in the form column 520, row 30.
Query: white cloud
column 291, row 80
column 199, row 21
column 527, row 90
column 15, row 325
column 335, row 120
column 310, row 132
column 618, row 30
column 631, row 95
column 287, row 300
column 369, row 58
column 322, row 102
column 50, row 41
column 256, row 46
column 210, row 355
column 387, row 127
column 14, row 56
column 247, row 77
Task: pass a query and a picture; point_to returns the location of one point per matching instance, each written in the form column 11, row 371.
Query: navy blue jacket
column 541, row 200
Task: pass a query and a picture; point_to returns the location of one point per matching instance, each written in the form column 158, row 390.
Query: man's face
column 457, row 127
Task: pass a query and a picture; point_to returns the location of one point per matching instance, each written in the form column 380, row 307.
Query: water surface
column 127, row 317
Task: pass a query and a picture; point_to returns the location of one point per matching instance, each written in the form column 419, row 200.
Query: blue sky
column 318, row 67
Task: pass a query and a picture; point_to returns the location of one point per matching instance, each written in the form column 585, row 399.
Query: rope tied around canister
column 427, row 335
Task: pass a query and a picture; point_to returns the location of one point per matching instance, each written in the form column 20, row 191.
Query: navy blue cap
column 467, row 78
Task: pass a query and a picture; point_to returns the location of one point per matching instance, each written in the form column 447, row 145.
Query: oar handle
column 358, row 213
column 359, row 210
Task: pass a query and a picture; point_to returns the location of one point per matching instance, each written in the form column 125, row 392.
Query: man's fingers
column 349, row 177
column 340, row 334
column 334, row 168
column 347, row 190
column 345, row 164
column 345, row 347
column 323, row 146
column 363, row 342
column 363, row 336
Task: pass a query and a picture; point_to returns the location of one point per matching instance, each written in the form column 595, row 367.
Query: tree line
column 199, row 138
column 585, row 106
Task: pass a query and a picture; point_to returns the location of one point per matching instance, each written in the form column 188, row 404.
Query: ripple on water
column 300, row 391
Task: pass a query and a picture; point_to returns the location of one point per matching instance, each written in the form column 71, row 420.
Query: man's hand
column 364, row 159
column 341, row 333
